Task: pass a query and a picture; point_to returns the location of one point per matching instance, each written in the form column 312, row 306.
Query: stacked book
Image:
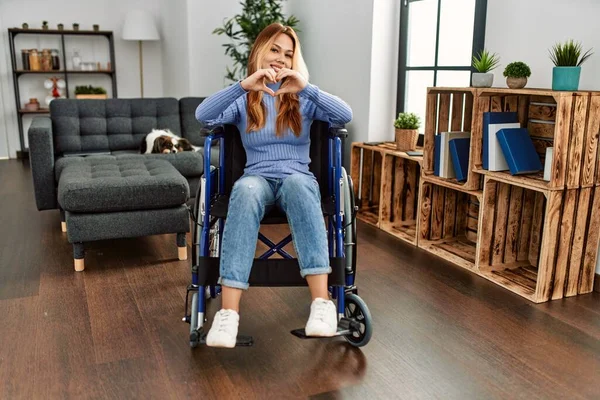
column 451, row 157
column 507, row 146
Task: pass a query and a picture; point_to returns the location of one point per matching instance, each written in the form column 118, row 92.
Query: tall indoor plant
column 242, row 30
column 567, row 59
column 483, row 63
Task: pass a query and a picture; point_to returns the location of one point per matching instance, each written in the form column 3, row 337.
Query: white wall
column 207, row 59
column 109, row 14
column 336, row 38
column 173, row 21
column 535, row 26
column 4, row 127
column 384, row 69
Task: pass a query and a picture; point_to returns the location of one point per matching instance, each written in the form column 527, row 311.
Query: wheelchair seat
column 275, row 216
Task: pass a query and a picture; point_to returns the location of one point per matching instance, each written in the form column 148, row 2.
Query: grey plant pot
column 482, row 79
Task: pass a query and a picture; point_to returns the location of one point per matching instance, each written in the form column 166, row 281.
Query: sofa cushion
column 191, row 128
column 190, row 164
column 112, row 124
column 105, row 184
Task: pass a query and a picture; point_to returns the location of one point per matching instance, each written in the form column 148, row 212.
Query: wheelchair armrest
column 212, row 131
column 340, row 132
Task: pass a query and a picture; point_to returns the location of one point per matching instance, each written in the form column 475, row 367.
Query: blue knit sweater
column 268, row 155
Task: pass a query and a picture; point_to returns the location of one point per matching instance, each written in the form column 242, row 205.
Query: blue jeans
column 251, row 198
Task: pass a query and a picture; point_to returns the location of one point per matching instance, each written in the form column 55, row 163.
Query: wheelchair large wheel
column 357, row 311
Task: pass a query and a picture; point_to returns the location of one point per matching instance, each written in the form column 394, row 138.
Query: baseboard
column 597, row 283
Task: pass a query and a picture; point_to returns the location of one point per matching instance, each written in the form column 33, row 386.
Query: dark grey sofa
column 85, row 162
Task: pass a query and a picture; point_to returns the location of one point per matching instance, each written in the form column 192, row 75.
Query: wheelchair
column 338, row 206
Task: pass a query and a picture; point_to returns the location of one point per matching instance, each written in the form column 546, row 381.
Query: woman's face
column 280, row 54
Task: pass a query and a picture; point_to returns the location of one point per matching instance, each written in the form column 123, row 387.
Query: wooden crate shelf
column 389, row 187
column 539, row 244
column 536, row 238
column 449, row 109
column 567, row 121
column 448, row 224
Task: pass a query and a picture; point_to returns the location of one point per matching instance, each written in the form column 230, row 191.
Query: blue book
column 437, row 151
column 519, row 151
column 459, row 150
column 493, row 118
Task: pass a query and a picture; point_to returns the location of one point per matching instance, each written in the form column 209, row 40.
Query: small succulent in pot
column 516, row 74
column 60, row 27
column 25, row 25
column 45, row 25
column 75, row 26
column 407, row 131
column 483, row 63
column 96, row 27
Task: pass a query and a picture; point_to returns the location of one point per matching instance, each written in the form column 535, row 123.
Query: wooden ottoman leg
column 63, row 223
column 78, row 255
column 181, row 246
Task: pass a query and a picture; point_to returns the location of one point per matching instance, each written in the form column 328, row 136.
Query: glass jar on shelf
column 55, row 59
column 76, row 60
column 46, row 60
column 34, row 60
column 25, row 59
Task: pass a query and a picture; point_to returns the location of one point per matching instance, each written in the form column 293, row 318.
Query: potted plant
column 242, row 30
column 45, row 25
column 75, row 26
column 483, row 63
column 516, row 74
column 25, row 25
column 90, row 92
column 60, row 27
column 96, row 27
column 407, row 131
column 567, row 59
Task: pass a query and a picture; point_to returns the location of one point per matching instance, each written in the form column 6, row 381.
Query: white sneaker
column 323, row 319
column 224, row 329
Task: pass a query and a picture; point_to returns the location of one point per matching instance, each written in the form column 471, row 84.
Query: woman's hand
column 294, row 81
column 258, row 81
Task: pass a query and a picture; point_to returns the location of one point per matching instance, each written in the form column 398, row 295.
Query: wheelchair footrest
column 345, row 327
column 241, row 340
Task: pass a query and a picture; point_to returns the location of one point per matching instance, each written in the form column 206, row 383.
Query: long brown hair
column 288, row 114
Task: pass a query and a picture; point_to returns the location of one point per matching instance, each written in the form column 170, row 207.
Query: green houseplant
column 242, row 30
column 483, row 63
column 407, row 131
column 567, row 59
column 516, row 74
column 90, row 92
column 45, row 25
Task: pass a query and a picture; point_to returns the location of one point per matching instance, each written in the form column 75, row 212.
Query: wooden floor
column 115, row 330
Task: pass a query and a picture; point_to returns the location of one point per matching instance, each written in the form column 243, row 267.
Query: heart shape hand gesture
column 294, row 81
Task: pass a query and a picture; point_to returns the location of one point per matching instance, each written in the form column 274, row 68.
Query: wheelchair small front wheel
column 357, row 311
column 194, row 313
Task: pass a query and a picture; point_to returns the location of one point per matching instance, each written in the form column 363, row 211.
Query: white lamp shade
column 139, row 25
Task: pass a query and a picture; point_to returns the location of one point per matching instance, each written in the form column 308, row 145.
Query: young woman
column 273, row 109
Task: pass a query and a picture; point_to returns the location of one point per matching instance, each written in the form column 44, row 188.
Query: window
column 438, row 39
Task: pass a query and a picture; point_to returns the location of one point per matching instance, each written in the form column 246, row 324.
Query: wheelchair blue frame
column 352, row 311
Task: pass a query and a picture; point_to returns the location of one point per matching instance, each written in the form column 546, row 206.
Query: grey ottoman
column 108, row 197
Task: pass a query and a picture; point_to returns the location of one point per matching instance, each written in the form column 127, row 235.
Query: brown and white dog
column 164, row 141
